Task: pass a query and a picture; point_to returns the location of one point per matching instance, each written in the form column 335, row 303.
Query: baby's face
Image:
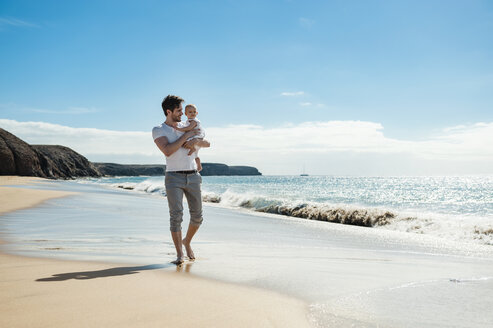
column 191, row 112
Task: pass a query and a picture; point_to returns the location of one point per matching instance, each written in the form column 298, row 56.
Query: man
column 181, row 174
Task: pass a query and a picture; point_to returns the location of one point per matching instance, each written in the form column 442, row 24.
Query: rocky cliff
column 65, row 162
column 19, row 158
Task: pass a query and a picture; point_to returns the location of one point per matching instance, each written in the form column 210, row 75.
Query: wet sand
column 18, row 198
column 40, row 292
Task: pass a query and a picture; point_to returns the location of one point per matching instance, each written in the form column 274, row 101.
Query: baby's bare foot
column 189, row 250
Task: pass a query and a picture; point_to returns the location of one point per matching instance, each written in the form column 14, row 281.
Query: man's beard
column 177, row 118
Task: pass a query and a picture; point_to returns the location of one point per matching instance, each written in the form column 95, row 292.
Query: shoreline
column 60, row 293
column 468, row 221
column 19, row 198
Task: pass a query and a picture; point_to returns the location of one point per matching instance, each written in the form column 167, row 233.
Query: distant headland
column 58, row 162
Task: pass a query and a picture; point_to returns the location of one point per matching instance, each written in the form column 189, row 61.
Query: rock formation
column 129, row 170
column 19, row 158
column 66, row 163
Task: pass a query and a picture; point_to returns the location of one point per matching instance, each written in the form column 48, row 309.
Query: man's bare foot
column 189, row 250
column 178, row 261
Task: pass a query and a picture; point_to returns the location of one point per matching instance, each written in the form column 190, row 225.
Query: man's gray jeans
column 178, row 184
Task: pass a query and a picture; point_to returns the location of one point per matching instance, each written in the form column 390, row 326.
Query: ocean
column 453, row 208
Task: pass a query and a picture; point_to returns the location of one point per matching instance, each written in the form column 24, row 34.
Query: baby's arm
column 199, row 165
column 187, row 128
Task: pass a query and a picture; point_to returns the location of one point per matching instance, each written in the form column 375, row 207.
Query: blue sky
column 416, row 68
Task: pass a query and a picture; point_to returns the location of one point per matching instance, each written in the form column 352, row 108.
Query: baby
column 193, row 123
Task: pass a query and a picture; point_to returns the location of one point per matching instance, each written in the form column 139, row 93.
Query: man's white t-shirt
column 179, row 160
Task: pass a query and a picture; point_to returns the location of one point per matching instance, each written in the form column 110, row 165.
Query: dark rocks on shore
column 113, row 169
column 223, row 169
column 243, row 170
column 51, row 161
column 65, row 162
column 19, row 158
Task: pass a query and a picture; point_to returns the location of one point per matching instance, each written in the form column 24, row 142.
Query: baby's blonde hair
column 190, row 106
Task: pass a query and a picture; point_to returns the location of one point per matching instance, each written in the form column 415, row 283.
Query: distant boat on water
column 303, row 174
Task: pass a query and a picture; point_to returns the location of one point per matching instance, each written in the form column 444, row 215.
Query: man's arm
column 199, row 142
column 169, row 149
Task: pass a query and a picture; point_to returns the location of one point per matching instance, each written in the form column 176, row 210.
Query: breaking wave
column 448, row 226
column 320, row 212
column 310, row 211
column 460, row 228
column 144, row 186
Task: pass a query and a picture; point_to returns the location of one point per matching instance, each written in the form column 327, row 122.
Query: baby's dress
column 201, row 134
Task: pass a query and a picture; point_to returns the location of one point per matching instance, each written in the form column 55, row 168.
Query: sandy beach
column 17, row 198
column 40, row 292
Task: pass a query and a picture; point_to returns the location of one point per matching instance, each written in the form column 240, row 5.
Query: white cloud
column 292, row 94
column 74, row 110
column 333, row 147
column 310, row 104
column 9, row 21
column 70, row 111
column 354, row 148
column 356, row 136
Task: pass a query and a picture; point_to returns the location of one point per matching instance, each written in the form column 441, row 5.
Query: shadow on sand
column 119, row 271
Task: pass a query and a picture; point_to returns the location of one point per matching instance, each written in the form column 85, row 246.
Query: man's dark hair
column 171, row 103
